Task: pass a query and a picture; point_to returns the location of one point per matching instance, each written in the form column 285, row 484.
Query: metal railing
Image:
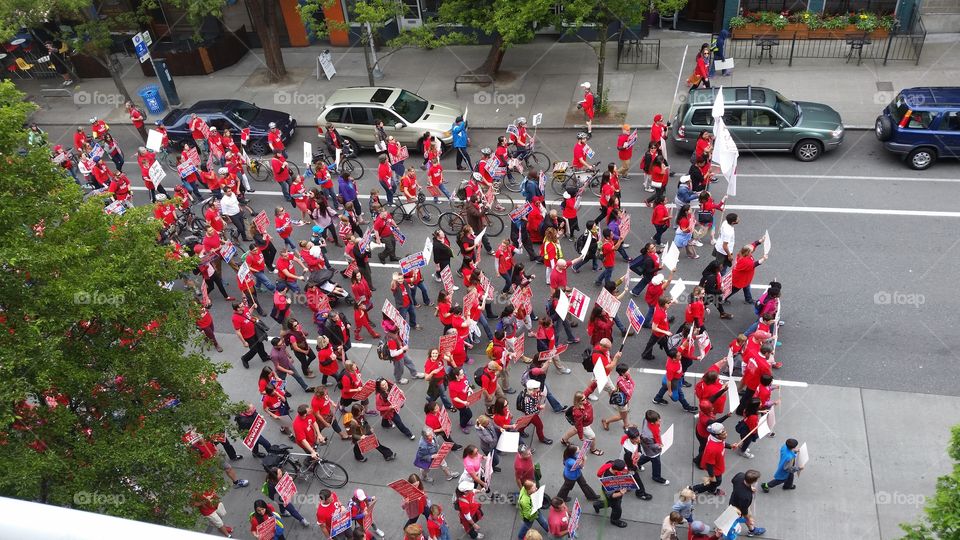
column 638, row 51
column 897, row 46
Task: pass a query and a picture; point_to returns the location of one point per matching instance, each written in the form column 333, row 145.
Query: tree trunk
column 601, row 65
column 491, row 65
column 366, row 41
column 115, row 74
column 265, row 24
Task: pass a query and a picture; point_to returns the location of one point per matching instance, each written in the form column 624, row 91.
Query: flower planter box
column 802, row 32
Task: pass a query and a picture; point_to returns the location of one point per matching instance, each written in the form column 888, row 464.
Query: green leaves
column 92, row 349
column 943, row 509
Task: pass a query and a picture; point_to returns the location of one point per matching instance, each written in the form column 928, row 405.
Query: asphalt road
column 866, row 297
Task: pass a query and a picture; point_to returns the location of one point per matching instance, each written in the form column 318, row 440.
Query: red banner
column 474, row 397
column 261, row 221
column 408, row 491
column 365, row 391
column 441, row 455
column 470, row 301
column 267, row 529
column 255, row 430
column 522, row 299
column 396, row 397
column 286, row 488
column 368, row 443
column 446, row 276
column 447, row 343
column 518, row 344
column 624, row 224
column 444, row 421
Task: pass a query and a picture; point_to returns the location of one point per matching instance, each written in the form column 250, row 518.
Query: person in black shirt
column 744, row 486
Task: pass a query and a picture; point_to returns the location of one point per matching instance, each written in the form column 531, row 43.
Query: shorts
column 216, row 518
column 624, row 408
column 588, row 433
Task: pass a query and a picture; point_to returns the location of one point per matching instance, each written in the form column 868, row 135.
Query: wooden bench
column 482, row 79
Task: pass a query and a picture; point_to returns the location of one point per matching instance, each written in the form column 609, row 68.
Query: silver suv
column 406, row 116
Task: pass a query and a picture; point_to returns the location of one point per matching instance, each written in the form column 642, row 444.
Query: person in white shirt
column 725, row 247
column 230, row 207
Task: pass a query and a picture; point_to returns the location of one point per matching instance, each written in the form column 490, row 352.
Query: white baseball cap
column 360, row 494
column 586, row 84
column 657, row 279
column 533, row 385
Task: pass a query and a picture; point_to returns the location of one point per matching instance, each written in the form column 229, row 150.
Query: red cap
column 658, row 118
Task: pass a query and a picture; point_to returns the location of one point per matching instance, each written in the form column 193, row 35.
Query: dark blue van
column 922, row 124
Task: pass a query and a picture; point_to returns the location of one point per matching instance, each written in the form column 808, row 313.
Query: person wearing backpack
column 528, row 514
column 620, row 398
column 580, row 416
column 673, row 382
column 530, row 402
column 531, row 186
column 486, row 379
column 613, row 499
column 659, row 329
column 630, row 444
column 601, row 354
column 590, row 236
column 651, row 445
column 397, row 354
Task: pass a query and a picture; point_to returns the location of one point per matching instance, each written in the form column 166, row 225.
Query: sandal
column 597, row 452
column 606, row 426
column 564, row 442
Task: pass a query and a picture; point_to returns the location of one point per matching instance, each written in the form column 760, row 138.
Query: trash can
column 152, row 99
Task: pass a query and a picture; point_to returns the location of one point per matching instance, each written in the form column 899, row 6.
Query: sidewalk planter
column 222, row 53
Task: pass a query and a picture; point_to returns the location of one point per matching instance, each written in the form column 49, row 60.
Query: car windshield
column 242, row 114
column 787, row 109
column 410, row 106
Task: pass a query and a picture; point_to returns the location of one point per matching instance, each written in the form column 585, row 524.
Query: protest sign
column 255, row 430
column 509, row 441
column 368, row 443
column 441, row 455
column 579, row 304
column 286, row 488
column 412, row 262
column 617, row 482
column 608, row 302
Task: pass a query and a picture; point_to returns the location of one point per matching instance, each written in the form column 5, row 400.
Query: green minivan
column 761, row 120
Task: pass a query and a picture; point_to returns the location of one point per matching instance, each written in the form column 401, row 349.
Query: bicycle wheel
column 503, row 205
column 353, row 167
column 595, row 185
column 539, row 161
column 399, row 216
column 292, row 466
column 294, row 169
column 559, row 184
column 494, row 225
column 513, row 182
column 258, row 170
column 428, row 213
column 168, row 159
column 331, row 474
column 451, row 223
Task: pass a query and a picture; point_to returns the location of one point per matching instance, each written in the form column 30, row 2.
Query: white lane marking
column 352, row 343
column 849, row 177
column 688, row 282
column 694, row 375
column 759, row 208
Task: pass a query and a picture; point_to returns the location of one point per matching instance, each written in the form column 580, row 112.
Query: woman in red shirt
column 435, row 373
column 459, row 394
column 322, row 407
column 431, row 419
column 743, row 270
column 389, row 413
column 653, row 293
column 569, row 212
column 205, row 324
column 582, row 420
column 660, row 217
column 701, row 72
column 502, row 416
column 684, row 235
column 504, row 256
column 363, row 303
column 696, row 311
column 705, row 213
column 599, row 326
column 327, row 360
column 469, row 509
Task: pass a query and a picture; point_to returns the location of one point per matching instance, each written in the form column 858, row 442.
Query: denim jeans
column 423, row 291
column 604, row 276
column 557, row 322
column 642, row 284
column 527, row 525
column 552, row 400
column 262, row 279
column 507, row 282
column 285, row 188
column 485, row 325
column 399, row 364
column 443, row 189
column 682, row 400
column 619, row 323
column 191, row 187
column 411, row 313
column 593, row 263
column 656, row 465
column 387, row 191
column 296, row 377
column 332, row 197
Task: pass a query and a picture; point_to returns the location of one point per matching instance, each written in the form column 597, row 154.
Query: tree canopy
column 101, row 369
column 943, row 509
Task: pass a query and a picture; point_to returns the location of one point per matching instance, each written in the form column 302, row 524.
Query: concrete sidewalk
column 541, row 77
column 875, row 456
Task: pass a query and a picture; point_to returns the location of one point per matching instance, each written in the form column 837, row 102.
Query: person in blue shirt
column 786, row 468
column 574, row 475
column 348, row 193
column 460, row 141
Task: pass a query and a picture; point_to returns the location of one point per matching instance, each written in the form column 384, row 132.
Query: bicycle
column 428, row 213
column 567, row 178
column 349, row 164
column 260, row 168
column 229, row 227
column 452, row 222
column 327, row 472
column 531, row 159
column 503, row 202
column 165, row 157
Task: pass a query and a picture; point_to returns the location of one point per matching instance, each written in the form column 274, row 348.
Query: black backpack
column 520, row 396
column 582, row 241
column 618, row 399
column 339, row 378
column 478, row 376
column 587, row 360
column 568, row 414
column 382, row 352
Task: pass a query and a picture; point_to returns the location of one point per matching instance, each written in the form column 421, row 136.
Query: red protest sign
column 205, row 292
column 617, row 482
column 365, row 391
column 486, row 285
column 261, row 221
column 473, row 397
column 441, row 455
column 582, row 456
column 518, row 344
column 408, row 491
column 726, row 284
column 396, row 397
column 609, row 302
column 368, row 519
column 255, row 430
column 444, row 421
column 579, row 303
column 624, row 224
column 350, row 269
column 286, row 488
column 447, row 343
column 446, row 276
column 193, row 156
column 547, row 355
column 368, row 443
column 267, row 529
column 522, row 299
column 470, row 301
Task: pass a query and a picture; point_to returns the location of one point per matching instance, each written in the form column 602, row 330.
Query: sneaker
column 648, row 189
column 565, row 371
column 404, row 381
column 304, row 522
column 452, row 475
column 643, row 496
column 691, row 409
column 420, row 375
column 412, row 437
column 380, row 533
column 465, row 430
column 660, row 401
column 593, row 397
column 547, row 442
column 241, row 483
column 391, row 457
column 663, row 481
column 619, row 523
column 765, row 487
column 756, row 531
column 697, row 243
column 746, row 454
column 789, row 487
column 363, row 459
column 479, row 535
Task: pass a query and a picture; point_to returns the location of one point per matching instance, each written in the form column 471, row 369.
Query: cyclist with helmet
column 520, row 139
column 581, row 153
column 275, row 140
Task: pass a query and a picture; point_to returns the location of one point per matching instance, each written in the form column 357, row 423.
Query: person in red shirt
column 437, row 183
column 281, row 173
column 199, row 130
column 599, row 326
column 586, row 104
column 136, row 118
column 98, row 127
column 658, row 131
column 743, row 271
column 329, row 505
column 609, row 250
column 165, row 212
column 659, row 329
column 652, row 295
column 383, row 227
column 601, row 355
column 120, row 189
column 470, row 509
column 205, row 325
column 409, row 187
column 712, row 395
column 245, row 328
column 385, row 175
column 659, row 176
column 672, row 382
column 625, row 150
column 581, row 153
column 660, row 218
column 306, row 432
column 79, row 139
column 275, row 140
column 569, row 212
column 713, row 459
column 284, row 226
column 696, row 311
column 210, row 507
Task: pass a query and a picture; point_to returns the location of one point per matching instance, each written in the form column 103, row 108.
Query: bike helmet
column 486, row 151
column 581, row 135
column 521, row 120
column 161, row 197
column 222, row 170
column 272, row 125
column 158, row 123
column 478, row 177
column 94, row 119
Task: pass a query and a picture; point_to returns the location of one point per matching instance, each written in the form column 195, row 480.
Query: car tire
column 353, row 144
column 883, row 128
column 808, row 150
column 922, row 158
column 259, row 148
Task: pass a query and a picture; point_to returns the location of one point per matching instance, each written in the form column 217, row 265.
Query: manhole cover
column 884, row 86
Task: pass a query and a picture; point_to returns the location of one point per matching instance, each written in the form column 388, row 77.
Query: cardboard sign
column 286, row 488
column 228, row 250
column 486, row 286
column 446, row 277
column 727, row 519
column 116, row 208
column 441, row 455
column 402, row 154
column 614, row 483
column 470, row 301
column 193, row 156
column 581, row 456
column 635, row 316
column 677, row 290
column 631, row 140
column 307, row 153
column 733, row 397
column 767, row 421
column 261, row 221
column 350, row 269
column 156, row 172
column 185, row 169
column 574, row 518
column 624, row 224
column 341, row 521
column 537, row 498
column 563, row 305
column 803, row 455
column 96, row 152
column 608, row 302
column 766, row 243
column 406, row 490
column 579, row 304
column 427, row 250
column 391, row 312
column 473, row 396
column 726, row 284
column 447, row 343
column 445, row 424
column 488, row 467
column 401, row 238
column 671, row 257
column 267, row 529
column 255, row 430
column 509, row 441
column 368, row 443
column 666, row 440
column 522, row 300
column 518, row 343
column 549, row 354
column 396, row 397
column 600, row 374
column 365, row 391
column 412, row 262
column 543, row 182
column 154, row 140
column 520, row 212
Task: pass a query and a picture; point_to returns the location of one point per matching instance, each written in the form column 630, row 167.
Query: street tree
column 942, row 519
column 601, row 15
column 103, row 372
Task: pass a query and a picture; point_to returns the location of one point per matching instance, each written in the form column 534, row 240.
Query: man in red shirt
column 609, row 250
column 435, row 175
column 257, row 265
column 383, row 233
column 673, row 382
column 275, row 140
column 165, row 212
column 743, row 270
column 306, row 431
column 587, row 105
column 713, row 459
column 281, row 173
column 385, row 177
column 625, row 150
column 136, row 117
column 580, row 151
column 286, row 271
column 659, row 328
column 212, row 215
column 488, row 382
column 199, row 130
column 329, row 505
column 244, row 323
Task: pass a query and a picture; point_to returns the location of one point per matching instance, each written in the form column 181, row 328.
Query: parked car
column 405, row 115
column 761, row 120
column 234, row 115
column 922, row 125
